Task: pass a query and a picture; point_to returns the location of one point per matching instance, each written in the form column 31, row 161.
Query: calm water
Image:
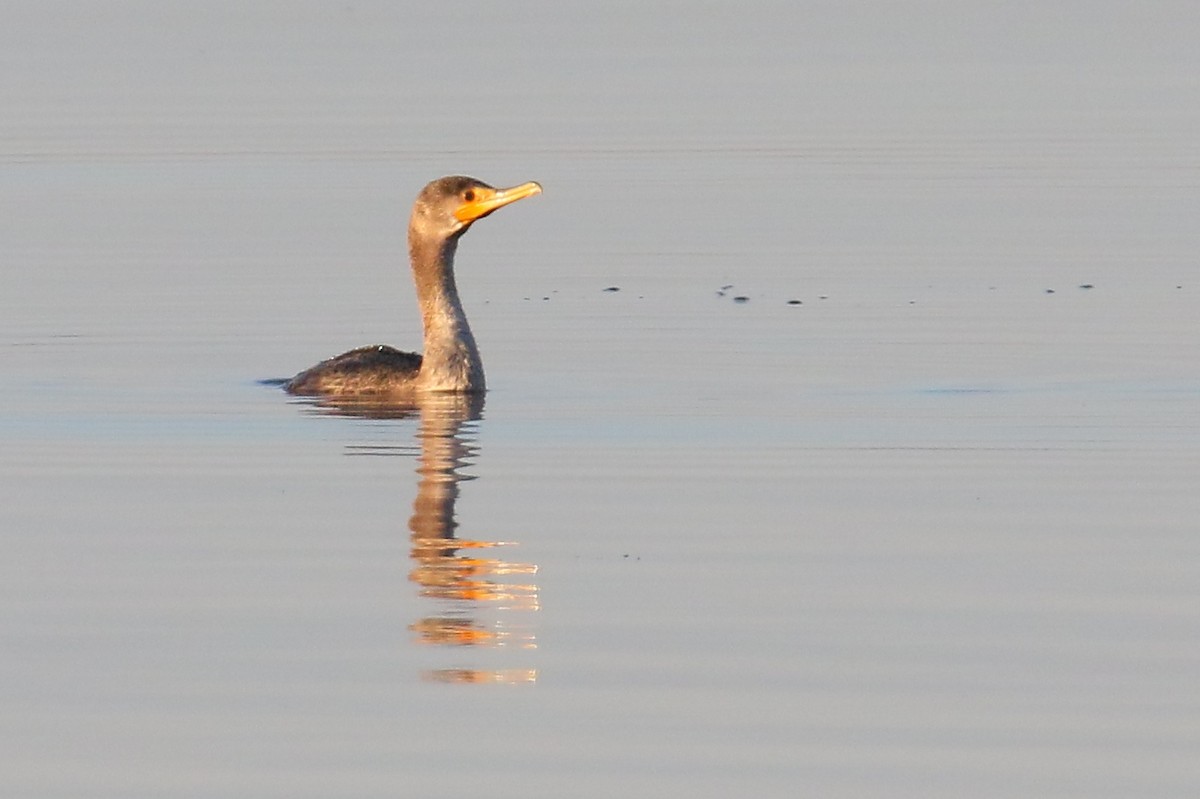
column 916, row 517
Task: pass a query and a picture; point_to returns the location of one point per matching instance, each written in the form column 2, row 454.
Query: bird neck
column 451, row 359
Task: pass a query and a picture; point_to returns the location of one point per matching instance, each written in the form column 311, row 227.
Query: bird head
column 447, row 206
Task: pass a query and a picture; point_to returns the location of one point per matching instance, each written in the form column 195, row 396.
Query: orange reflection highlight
column 480, row 597
column 480, row 600
column 509, row 676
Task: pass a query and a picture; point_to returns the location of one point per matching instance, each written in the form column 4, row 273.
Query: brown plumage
column 444, row 210
column 366, row 370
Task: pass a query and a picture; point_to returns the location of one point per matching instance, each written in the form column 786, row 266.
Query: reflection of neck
column 443, row 450
column 451, row 359
column 464, row 584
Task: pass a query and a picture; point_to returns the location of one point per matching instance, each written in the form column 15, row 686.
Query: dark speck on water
column 1049, row 291
column 794, row 302
column 613, row 288
column 1086, row 286
column 741, row 298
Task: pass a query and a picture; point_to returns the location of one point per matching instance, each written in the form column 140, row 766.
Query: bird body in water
column 444, row 210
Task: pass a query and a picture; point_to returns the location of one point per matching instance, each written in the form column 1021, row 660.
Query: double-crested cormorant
column 444, row 210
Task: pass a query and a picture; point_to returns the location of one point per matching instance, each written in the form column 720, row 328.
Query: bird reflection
column 476, row 595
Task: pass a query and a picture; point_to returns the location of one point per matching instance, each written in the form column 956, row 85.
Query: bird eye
column 469, row 195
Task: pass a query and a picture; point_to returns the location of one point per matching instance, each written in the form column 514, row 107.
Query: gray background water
column 930, row 532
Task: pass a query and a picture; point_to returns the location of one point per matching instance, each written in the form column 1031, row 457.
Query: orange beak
column 488, row 200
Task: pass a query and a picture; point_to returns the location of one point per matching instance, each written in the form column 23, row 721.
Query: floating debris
column 1086, row 286
column 1049, row 291
column 794, row 302
column 613, row 288
column 741, row 298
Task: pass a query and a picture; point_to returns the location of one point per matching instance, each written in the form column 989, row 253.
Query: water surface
column 916, row 517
